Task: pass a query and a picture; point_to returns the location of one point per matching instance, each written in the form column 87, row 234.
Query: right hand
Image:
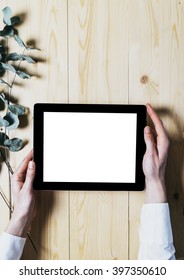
column 155, row 159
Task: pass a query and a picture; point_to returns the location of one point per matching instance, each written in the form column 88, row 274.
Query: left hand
column 23, row 197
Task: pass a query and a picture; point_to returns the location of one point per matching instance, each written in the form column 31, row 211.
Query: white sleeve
column 11, row 246
column 156, row 240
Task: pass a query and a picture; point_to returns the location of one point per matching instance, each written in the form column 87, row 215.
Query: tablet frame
column 39, row 110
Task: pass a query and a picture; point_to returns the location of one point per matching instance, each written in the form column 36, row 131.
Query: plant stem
column 10, row 172
column 5, row 158
column 13, row 81
column 5, row 199
column 6, row 162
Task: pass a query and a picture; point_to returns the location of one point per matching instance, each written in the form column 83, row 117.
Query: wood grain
column 98, row 73
column 143, row 85
column 107, row 51
column 45, row 25
column 171, row 103
column 156, row 76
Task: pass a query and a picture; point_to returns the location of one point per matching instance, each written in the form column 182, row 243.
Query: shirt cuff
column 11, row 246
column 156, row 240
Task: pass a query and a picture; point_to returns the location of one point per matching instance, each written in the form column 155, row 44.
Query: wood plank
column 143, row 86
column 45, row 24
column 172, row 99
column 98, row 73
column 156, row 64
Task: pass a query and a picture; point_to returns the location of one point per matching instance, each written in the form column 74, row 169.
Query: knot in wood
column 144, row 79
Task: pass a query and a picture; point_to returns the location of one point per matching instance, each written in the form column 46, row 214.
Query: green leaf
column 3, row 122
column 23, row 75
column 17, row 109
column 1, row 49
column 13, row 57
column 15, row 20
column 14, row 144
column 6, row 66
column 16, row 56
column 27, row 58
column 7, row 32
column 22, row 44
column 2, row 97
column 13, row 120
column 19, row 41
column 3, row 138
column 7, row 12
column 3, row 82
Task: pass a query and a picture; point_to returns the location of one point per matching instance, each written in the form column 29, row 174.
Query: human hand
column 155, row 159
column 23, row 197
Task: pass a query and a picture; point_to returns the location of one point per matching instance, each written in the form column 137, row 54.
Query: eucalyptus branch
column 6, row 162
column 11, row 120
column 5, row 199
column 13, row 81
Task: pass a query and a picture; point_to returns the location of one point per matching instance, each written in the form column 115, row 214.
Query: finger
column 19, row 175
column 30, row 175
column 149, row 140
column 21, row 170
column 156, row 121
column 162, row 139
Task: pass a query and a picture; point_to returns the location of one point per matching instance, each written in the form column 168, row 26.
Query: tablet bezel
column 39, row 110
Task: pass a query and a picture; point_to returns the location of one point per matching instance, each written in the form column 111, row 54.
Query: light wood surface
column 98, row 73
column 101, row 51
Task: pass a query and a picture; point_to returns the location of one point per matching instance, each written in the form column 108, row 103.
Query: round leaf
column 23, row 75
column 12, row 119
column 7, row 32
column 13, row 57
column 15, row 20
column 3, row 122
column 6, row 66
column 14, row 144
column 27, row 58
column 3, row 137
column 16, row 56
column 19, row 41
column 7, row 12
column 17, row 109
column 3, row 98
column 22, row 44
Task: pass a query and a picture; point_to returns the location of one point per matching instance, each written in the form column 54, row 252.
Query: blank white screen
column 89, row 147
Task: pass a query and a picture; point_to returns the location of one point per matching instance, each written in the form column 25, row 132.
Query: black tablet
column 89, row 146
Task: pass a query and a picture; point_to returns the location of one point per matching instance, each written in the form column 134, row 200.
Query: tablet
column 89, row 146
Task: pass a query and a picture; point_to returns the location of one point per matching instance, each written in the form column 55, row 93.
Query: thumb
column 30, row 174
column 149, row 139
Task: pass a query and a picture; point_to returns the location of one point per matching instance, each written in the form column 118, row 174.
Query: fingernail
column 31, row 165
column 147, row 129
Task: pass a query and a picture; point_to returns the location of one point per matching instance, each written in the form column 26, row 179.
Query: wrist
column 155, row 191
column 18, row 226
